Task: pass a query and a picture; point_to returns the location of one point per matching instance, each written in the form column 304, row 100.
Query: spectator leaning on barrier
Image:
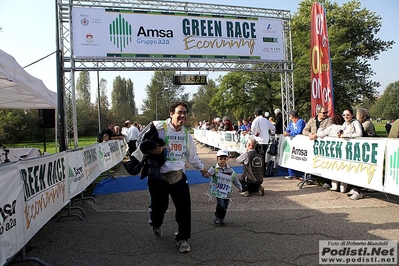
column 394, row 132
column 363, row 115
column 227, row 125
column 295, row 127
column 332, row 131
column 320, row 121
column 351, row 128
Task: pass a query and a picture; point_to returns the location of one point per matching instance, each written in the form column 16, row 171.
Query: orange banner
column 322, row 92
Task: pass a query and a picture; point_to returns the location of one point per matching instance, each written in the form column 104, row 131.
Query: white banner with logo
column 45, row 190
column 91, row 163
column 125, row 33
column 115, row 150
column 77, row 182
column 391, row 184
column 355, row 161
column 12, row 220
column 34, row 190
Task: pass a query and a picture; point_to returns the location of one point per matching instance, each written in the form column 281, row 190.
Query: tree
column 161, row 93
column 83, row 87
column 353, row 42
column 387, row 105
column 85, row 110
column 122, row 97
column 17, row 125
column 240, row 92
column 104, row 105
column 201, row 109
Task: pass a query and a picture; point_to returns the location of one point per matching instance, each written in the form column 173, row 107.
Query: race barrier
column 371, row 163
column 34, row 190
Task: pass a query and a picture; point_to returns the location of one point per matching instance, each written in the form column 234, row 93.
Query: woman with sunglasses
column 351, row 128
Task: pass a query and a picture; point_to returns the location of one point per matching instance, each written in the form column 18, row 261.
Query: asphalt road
column 282, row 228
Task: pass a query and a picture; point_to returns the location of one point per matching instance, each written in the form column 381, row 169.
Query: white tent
column 20, row 90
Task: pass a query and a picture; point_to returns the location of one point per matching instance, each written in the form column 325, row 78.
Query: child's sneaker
column 216, row 220
column 222, row 222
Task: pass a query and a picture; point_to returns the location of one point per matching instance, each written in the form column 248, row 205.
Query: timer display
column 188, row 79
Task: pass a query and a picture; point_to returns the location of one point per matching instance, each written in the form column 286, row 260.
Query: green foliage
column 352, row 38
column 387, row 105
column 201, row 109
column 122, row 96
column 161, row 93
column 83, row 87
column 19, row 125
column 240, row 92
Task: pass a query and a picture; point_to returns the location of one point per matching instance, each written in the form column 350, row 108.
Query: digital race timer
column 188, row 79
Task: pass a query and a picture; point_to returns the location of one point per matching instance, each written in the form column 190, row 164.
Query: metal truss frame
column 70, row 64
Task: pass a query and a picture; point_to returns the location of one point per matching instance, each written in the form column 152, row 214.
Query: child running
column 222, row 177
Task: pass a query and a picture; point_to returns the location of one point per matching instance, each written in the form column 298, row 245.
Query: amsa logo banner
column 356, row 161
column 115, row 33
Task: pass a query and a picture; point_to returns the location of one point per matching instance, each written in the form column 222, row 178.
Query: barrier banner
column 392, row 167
column 76, row 173
column 91, row 162
column 116, row 153
column 45, row 190
column 123, row 148
column 356, row 161
column 12, row 238
column 34, row 190
column 104, row 156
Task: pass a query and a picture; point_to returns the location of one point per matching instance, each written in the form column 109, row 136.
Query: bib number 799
column 176, row 147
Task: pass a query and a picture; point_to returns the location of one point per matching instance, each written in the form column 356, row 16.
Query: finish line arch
column 167, row 36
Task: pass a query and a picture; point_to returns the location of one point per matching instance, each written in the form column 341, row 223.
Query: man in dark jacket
column 279, row 121
column 252, row 177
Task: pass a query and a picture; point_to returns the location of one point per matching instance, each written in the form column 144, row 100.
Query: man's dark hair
column 175, row 105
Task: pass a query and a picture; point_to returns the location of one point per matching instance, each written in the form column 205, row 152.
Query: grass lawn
column 380, row 128
column 50, row 146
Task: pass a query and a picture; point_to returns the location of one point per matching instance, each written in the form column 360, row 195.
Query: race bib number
column 176, row 148
column 220, row 185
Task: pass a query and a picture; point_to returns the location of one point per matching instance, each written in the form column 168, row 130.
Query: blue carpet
column 133, row 183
